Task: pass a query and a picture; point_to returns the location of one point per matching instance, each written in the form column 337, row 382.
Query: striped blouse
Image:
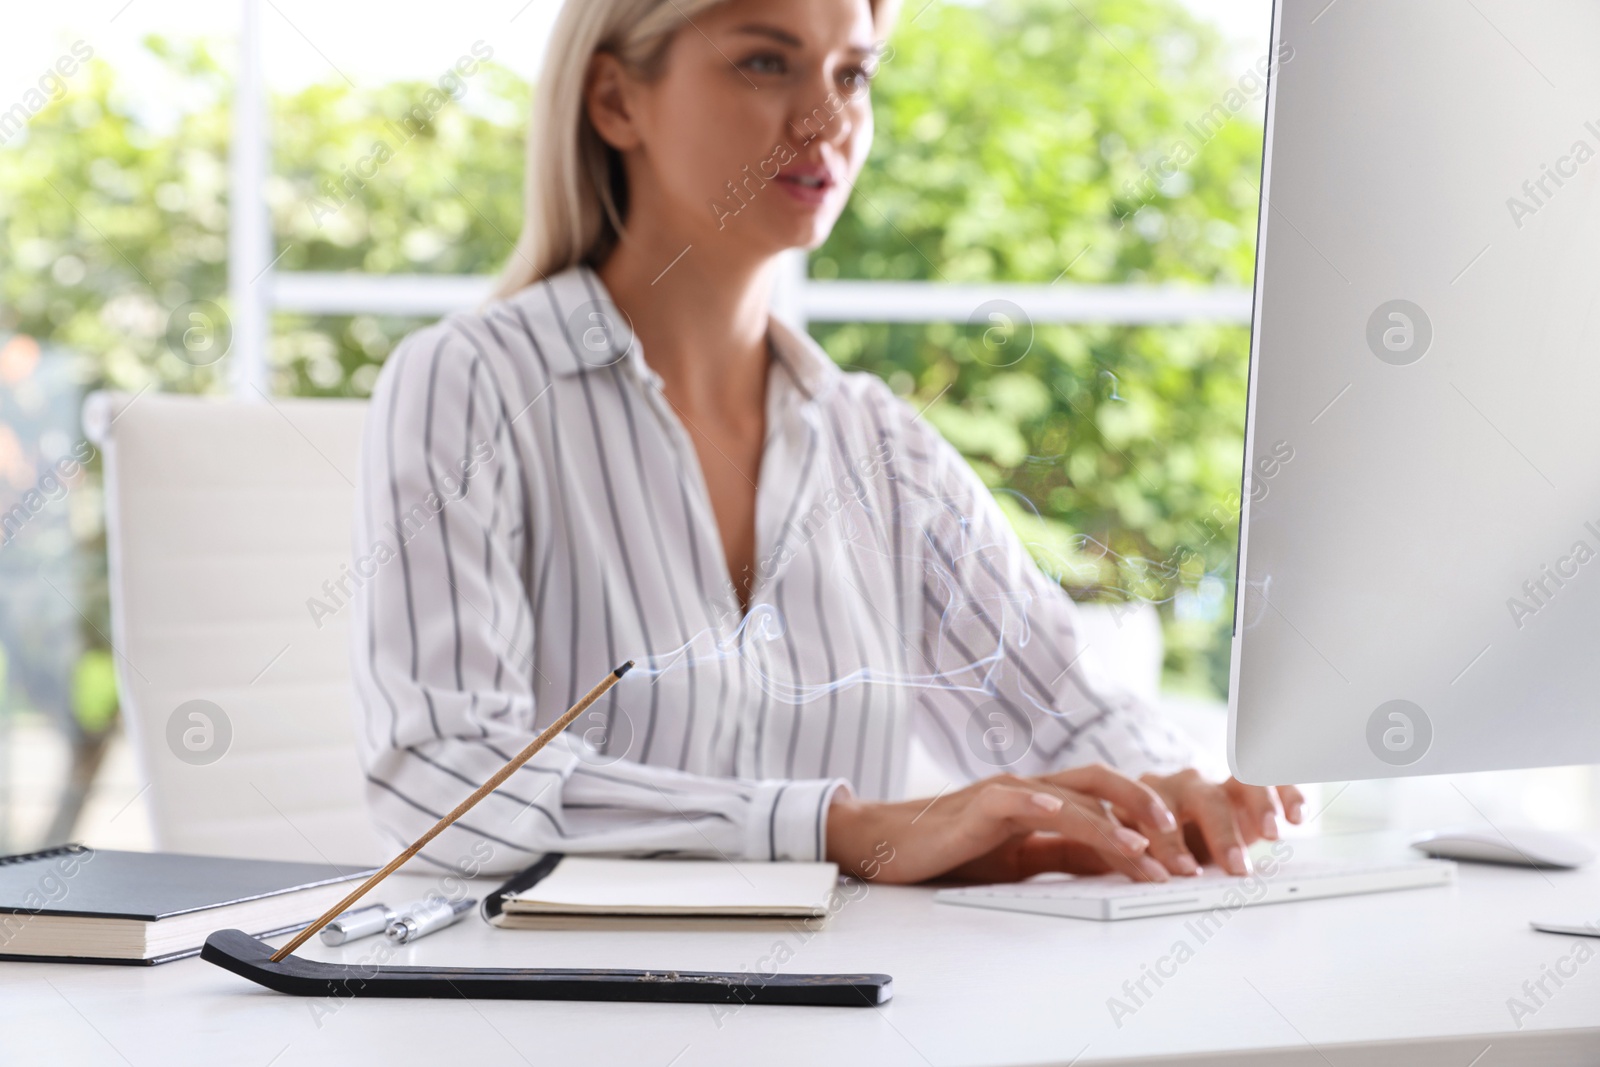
column 531, row 513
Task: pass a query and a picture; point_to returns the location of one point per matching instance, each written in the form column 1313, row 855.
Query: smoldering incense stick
column 460, row 809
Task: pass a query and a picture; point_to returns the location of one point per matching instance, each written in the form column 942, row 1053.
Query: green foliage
column 1014, row 143
column 94, row 691
column 1016, row 140
column 110, row 224
column 358, row 188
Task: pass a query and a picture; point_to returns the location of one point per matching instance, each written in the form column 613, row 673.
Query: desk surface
column 1416, row 978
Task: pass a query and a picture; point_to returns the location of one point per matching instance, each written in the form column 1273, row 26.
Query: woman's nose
column 824, row 111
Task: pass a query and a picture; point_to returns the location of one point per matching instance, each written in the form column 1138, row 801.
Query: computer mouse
column 1517, row 846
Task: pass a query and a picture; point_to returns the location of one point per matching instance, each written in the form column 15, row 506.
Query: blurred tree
column 1038, row 141
column 1092, row 141
column 108, row 220
column 49, row 586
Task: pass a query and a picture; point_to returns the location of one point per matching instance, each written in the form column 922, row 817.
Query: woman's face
column 752, row 135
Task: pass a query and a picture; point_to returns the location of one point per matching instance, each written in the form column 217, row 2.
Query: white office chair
column 222, row 519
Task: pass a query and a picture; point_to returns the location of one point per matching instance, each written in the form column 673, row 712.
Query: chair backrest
column 224, row 519
column 1125, row 641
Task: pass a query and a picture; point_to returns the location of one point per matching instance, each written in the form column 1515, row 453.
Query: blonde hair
column 574, row 186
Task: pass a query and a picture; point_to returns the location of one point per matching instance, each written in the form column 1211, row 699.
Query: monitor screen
column 1419, row 586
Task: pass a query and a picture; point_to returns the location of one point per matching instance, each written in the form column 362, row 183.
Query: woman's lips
column 809, row 185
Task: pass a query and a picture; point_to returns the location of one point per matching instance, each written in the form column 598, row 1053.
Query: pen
column 358, row 923
column 426, row 916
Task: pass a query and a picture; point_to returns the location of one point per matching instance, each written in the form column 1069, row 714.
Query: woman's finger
column 1000, row 811
column 1169, row 849
column 1212, row 811
column 1038, row 853
column 1125, row 850
column 1138, row 804
column 1024, row 856
column 1256, row 809
column 1294, row 803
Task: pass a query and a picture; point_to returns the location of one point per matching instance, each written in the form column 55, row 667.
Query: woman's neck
column 700, row 316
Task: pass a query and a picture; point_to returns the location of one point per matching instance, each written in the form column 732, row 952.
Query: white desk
column 1413, row 978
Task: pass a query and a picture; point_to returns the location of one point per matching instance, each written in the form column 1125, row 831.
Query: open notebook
column 586, row 892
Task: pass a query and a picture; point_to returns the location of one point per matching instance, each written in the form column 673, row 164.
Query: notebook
column 590, row 892
column 99, row 906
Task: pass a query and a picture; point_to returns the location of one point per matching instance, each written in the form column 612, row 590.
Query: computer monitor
column 1419, row 563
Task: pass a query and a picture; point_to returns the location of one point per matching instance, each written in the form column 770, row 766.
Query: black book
column 93, row 905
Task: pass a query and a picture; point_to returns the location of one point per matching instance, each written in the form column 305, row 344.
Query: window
column 1050, row 253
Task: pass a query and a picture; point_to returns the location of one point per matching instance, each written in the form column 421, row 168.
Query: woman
column 625, row 456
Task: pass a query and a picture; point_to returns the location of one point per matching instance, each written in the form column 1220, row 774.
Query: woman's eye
column 770, row 64
column 855, row 79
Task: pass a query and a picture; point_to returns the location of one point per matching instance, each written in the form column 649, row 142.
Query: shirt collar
column 806, row 365
column 576, row 307
column 579, row 308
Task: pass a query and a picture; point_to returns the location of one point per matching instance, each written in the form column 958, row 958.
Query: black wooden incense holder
column 250, row 957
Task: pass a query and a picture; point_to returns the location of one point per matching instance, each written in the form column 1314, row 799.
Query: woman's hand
column 1219, row 820
column 1085, row 820
column 1004, row 829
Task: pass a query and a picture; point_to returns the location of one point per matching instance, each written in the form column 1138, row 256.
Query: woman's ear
column 608, row 101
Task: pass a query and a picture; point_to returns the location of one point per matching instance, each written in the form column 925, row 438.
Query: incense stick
column 460, row 809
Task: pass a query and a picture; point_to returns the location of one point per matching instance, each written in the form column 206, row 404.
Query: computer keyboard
column 1108, row 897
